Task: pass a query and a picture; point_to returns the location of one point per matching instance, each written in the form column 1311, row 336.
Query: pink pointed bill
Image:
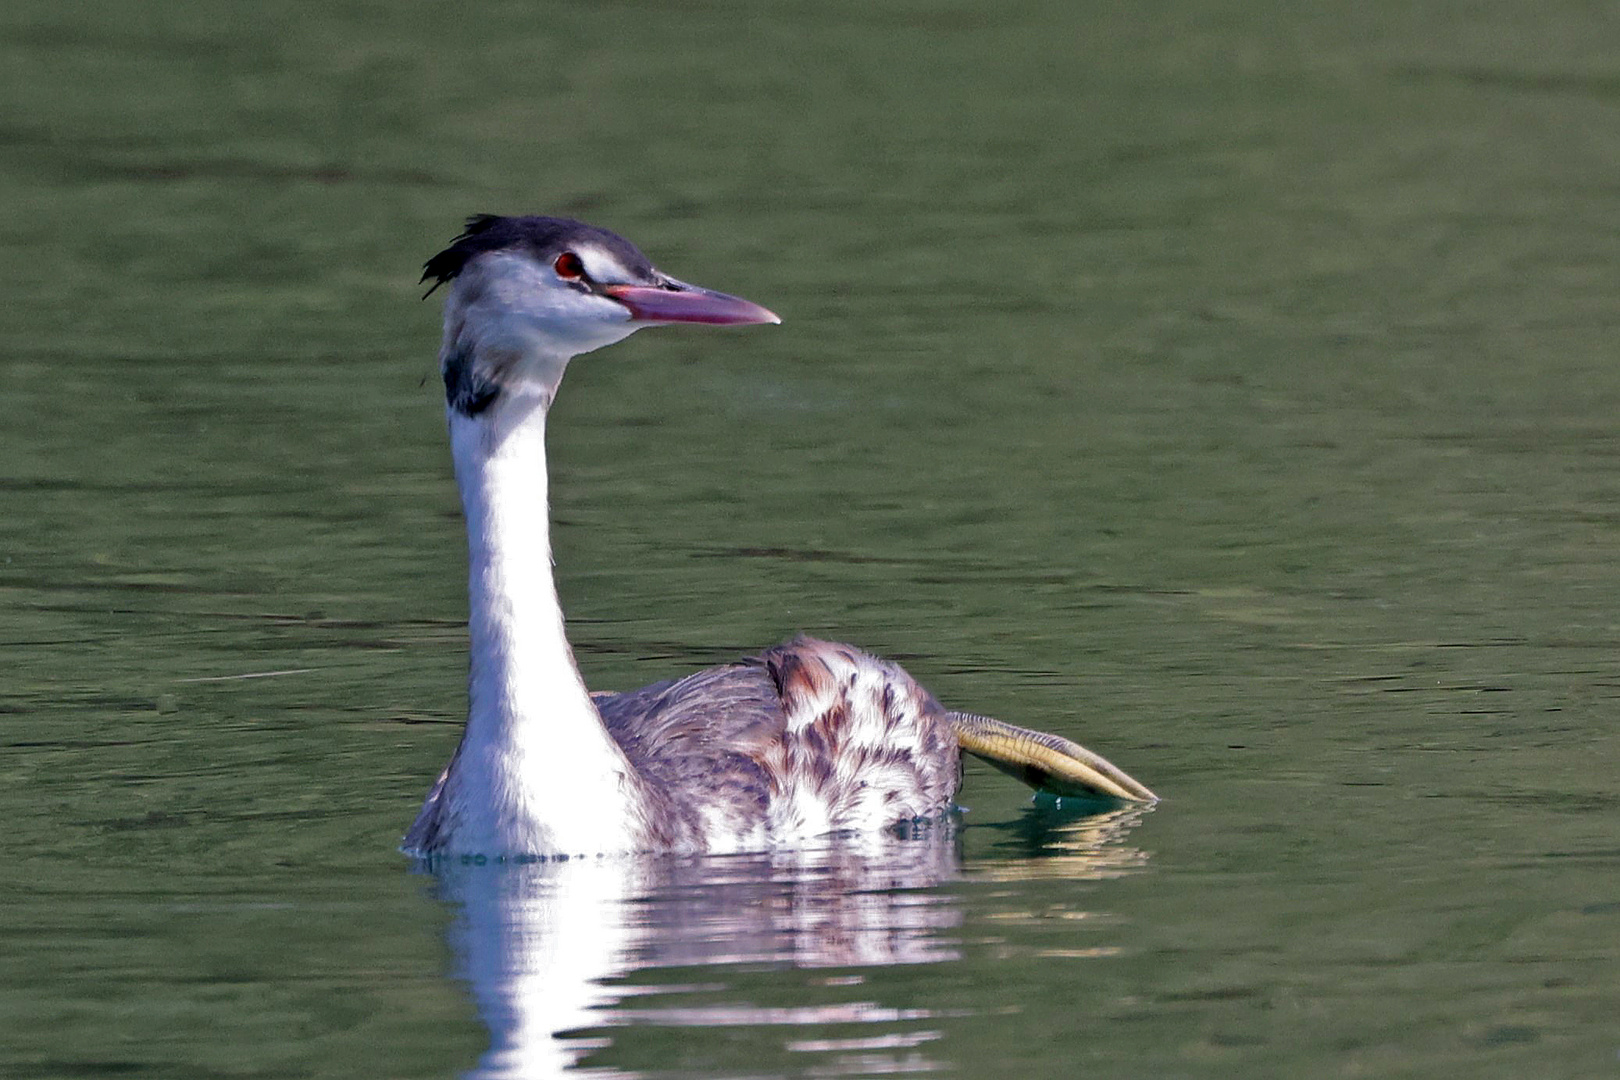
column 688, row 304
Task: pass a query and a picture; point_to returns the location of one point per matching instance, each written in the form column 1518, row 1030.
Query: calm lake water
column 1231, row 387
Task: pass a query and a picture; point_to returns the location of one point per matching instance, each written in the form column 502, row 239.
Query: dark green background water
column 1229, row 386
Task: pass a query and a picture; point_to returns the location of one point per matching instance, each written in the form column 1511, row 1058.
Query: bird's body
column 807, row 738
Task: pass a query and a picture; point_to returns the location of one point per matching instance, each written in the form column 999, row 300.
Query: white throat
column 540, row 773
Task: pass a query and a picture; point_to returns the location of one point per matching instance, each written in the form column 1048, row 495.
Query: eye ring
column 568, row 266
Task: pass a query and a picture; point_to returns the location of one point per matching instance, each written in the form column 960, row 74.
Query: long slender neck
column 538, row 773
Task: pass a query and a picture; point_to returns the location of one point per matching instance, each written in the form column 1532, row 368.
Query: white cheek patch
column 506, row 308
column 603, row 266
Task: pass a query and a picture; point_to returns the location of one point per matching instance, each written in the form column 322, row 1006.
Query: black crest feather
column 543, row 237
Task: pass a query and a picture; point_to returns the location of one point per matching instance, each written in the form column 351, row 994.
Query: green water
column 1228, row 386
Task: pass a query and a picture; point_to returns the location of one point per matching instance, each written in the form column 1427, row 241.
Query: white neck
column 536, row 773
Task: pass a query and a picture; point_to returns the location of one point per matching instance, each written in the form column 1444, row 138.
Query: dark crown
column 542, row 237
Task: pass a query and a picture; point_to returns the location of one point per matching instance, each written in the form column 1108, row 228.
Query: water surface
column 1230, row 388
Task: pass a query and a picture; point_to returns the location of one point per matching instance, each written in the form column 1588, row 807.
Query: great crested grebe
column 805, row 739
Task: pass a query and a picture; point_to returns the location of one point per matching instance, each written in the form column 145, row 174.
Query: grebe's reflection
column 551, row 950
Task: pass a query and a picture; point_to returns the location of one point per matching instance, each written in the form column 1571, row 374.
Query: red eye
column 568, row 266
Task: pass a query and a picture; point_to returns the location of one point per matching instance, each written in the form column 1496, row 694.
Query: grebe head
column 528, row 294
